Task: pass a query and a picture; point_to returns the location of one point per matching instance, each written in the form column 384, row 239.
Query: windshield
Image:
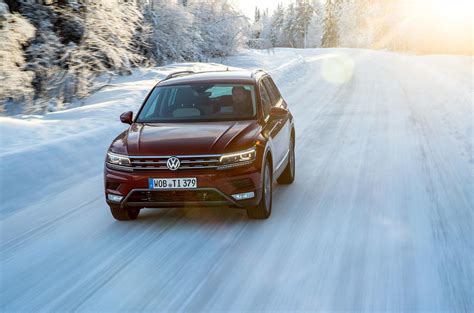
column 199, row 102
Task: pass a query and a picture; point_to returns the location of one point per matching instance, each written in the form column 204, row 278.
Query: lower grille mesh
column 175, row 196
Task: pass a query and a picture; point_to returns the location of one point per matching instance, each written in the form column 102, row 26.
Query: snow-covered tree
column 304, row 15
column 256, row 29
column 266, row 30
column 256, row 18
column 297, row 25
column 107, row 44
column 331, row 25
column 43, row 56
column 15, row 31
column 316, row 26
column 353, row 20
column 220, row 26
column 289, row 26
column 167, row 20
column 277, row 21
column 261, row 32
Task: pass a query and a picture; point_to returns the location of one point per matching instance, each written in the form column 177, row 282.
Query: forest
column 54, row 53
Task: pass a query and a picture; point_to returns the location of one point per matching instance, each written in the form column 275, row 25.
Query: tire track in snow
column 448, row 202
column 9, row 246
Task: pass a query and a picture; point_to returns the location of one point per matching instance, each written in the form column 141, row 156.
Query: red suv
column 203, row 139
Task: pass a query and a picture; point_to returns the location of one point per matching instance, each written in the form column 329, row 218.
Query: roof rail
column 176, row 74
column 255, row 72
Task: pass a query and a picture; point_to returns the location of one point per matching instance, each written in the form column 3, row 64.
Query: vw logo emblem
column 173, row 163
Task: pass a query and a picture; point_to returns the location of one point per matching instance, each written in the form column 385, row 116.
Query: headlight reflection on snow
column 337, row 69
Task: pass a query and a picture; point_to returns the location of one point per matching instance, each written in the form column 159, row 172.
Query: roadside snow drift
column 380, row 217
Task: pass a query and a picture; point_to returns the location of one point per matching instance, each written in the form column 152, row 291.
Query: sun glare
column 453, row 8
column 432, row 24
column 452, row 11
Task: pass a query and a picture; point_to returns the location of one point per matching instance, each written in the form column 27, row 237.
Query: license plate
column 172, row 183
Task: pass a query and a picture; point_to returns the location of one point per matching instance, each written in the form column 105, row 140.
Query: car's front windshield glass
column 199, row 102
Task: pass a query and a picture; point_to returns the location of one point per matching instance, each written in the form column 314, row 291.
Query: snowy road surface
column 380, row 217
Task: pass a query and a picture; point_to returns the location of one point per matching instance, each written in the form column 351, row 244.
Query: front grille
column 190, row 162
column 175, row 196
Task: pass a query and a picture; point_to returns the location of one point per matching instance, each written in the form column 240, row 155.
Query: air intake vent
column 112, row 185
column 243, row 183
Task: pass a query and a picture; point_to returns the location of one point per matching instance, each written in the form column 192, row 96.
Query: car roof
column 228, row 76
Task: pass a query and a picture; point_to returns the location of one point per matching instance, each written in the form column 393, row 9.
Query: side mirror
column 278, row 113
column 127, row 117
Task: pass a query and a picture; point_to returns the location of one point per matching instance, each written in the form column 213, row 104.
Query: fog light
column 244, row 196
column 114, row 198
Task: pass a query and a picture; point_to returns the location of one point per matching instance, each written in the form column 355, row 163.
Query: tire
column 264, row 208
column 124, row 214
column 288, row 175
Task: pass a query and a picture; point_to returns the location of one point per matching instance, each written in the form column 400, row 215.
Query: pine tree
column 316, row 26
column 289, row 26
column 257, row 15
column 331, row 32
column 276, row 27
column 266, row 30
column 304, row 15
column 257, row 26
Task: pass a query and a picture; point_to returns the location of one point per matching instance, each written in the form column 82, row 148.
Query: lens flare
column 338, row 69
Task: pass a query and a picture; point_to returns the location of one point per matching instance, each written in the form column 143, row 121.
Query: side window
column 266, row 104
column 274, row 94
column 275, row 89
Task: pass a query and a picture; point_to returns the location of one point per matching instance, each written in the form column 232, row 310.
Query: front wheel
column 124, row 214
column 264, row 208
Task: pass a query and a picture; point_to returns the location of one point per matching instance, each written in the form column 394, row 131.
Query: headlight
column 238, row 158
column 117, row 159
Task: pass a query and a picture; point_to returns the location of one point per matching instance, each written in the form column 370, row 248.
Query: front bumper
column 215, row 188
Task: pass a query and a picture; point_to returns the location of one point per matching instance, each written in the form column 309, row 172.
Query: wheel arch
column 268, row 158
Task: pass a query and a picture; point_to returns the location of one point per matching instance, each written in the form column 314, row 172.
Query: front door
column 276, row 129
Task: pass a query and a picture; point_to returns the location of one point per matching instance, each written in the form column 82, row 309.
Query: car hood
column 186, row 138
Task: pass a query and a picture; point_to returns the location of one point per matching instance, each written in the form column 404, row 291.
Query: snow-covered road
column 380, row 218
